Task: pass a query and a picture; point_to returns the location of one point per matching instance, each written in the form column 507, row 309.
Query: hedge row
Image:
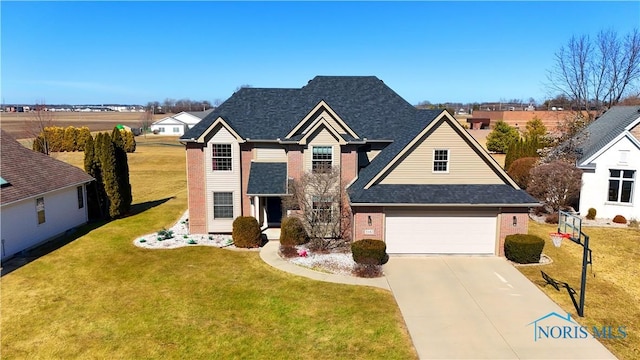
column 59, row 139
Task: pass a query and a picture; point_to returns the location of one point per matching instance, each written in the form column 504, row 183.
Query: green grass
column 101, row 297
column 613, row 281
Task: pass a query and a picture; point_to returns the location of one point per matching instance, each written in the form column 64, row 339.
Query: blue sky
column 135, row 52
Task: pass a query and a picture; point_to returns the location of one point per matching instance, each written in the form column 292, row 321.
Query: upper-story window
column 440, row 160
column 221, row 157
column 621, row 185
column 322, row 158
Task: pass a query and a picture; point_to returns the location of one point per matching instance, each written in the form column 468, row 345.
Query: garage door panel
column 421, row 232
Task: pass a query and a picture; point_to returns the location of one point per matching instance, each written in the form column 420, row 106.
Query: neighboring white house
column 179, row 123
column 610, row 160
column 40, row 197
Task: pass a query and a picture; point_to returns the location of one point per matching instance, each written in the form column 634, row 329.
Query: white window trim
column 448, row 161
column 621, row 179
column 232, row 205
column 230, row 155
column 323, row 146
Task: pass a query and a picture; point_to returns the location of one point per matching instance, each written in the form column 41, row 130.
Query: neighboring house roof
column 169, row 120
column 200, row 114
column 614, row 123
column 29, row 173
column 267, row 178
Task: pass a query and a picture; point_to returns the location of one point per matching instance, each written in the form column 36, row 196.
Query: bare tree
column 319, row 200
column 596, row 74
column 34, row 128
column 146, row 119
column 556, row 184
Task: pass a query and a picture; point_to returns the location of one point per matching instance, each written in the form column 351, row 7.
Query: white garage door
column 437, row 232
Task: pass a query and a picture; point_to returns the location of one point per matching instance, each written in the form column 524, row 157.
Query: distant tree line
column 105, row 159
column 175, row 106
column 69, row 139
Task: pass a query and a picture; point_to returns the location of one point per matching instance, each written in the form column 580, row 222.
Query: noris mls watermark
column 556, row 326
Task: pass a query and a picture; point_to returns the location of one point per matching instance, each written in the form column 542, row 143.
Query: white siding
column 595, row 184
column 19, row 221
column 222, row 181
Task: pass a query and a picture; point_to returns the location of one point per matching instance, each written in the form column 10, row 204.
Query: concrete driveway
column 466, row 307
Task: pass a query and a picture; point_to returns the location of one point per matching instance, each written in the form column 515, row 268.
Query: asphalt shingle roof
column 443, row 195
column 600, row 132
column 266, row 178
column 29, row 173
column 371, row 109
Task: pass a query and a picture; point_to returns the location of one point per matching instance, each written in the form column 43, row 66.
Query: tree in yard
column 69, row 139
column 107, row 156
column 96, row 196
column 318, row 199
column 501, row 137
column 556, row 184
column 520, row 170
column 122, row 171
column 83, row 135
column 596, row 73
column 536, row 130
column 129, row 141
column 521, row 148
column 35, row 129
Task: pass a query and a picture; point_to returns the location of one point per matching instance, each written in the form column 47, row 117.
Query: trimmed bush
column 369, row 252
column 619, row 219
column 292, row 232
column 552, row 218
column 523, row 248
column 519, row 170
column 246, row 232
column 591, row 214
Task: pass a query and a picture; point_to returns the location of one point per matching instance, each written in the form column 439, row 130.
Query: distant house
column 610, row 160
column 414, row 178
column 179, row 123
column 40, row 197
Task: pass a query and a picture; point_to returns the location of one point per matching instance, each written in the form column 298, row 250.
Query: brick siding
column 295, row 162
column 196, row 189
column 348, row 164
column 507, row 227
column 361, row 223
column 246, row 155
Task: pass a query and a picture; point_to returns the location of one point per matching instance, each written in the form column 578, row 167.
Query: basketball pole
column 586, row 254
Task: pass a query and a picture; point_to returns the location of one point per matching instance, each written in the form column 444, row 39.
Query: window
column 440, row 160
column 221, row 157
column 322, row 209
column 40, row 210
column 80, row 197
column 176, row 129
column 321, row 158
column 161, row 129
column 223, row 205
column 621, row 185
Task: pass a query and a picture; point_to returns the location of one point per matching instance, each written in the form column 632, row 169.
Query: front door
column 274, row 211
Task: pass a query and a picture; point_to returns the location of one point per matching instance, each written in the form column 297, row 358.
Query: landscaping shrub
column 552, row 218
column 519, row 170
column 619, row 219
column 633, row 223
column 367, row 271
column 591, row 214
column 523, row 248
column 246, row 232
column 288, row 252
column 292, row 232
column 369, row 252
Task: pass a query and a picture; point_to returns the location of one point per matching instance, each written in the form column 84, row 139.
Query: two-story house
column 414, row 178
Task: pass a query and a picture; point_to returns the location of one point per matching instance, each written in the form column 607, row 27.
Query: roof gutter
column 445, row 205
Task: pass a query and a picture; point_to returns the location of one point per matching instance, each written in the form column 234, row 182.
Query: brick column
column 196, row 188
column 507, row 226
column 361, row 223
column 246, row 155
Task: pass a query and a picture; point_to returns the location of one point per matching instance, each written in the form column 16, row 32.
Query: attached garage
column 421, row 231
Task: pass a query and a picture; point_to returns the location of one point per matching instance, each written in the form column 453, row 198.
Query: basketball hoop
column 556, row 238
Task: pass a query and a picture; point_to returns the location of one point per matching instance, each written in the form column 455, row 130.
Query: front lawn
column 613, row 282
column 102, row 297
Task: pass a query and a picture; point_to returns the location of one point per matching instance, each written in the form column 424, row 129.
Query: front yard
column 613, row 281
column 102, row 297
